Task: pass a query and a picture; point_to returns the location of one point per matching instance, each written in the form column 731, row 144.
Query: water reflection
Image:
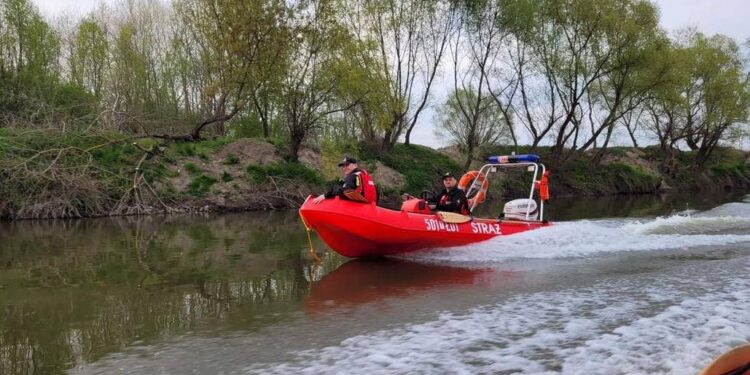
column 72, row 292
column 363, row 281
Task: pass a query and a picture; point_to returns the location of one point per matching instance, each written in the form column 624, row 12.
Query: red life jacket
column 366, row 186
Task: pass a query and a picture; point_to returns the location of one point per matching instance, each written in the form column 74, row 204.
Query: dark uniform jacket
column 351, row 183
column 453, row 200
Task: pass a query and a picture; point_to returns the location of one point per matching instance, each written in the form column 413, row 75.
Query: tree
column 470, row 126
column 29, row 52
column 318, row 64
column 410, row 39
column 466, row 113
column 705, row 100
column 578, row 63
column 718, row 105
column 634, row 68
column 89, row 59
column 235, row 43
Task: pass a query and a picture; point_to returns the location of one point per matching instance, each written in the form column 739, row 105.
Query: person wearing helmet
column 357, row 185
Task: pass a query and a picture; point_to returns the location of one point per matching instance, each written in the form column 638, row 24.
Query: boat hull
column 358, row 230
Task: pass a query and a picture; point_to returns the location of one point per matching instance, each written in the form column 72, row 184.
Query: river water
column 620, row 285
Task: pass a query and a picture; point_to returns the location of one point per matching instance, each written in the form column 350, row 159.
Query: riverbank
column 48, row 175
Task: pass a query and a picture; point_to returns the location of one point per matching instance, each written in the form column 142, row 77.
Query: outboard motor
column 517, row 208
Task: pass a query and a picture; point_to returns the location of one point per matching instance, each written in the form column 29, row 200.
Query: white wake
column 724, row 225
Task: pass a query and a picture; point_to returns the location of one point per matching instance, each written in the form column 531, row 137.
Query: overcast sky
column 729, row 17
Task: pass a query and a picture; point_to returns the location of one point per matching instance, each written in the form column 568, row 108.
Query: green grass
column 421, row 166
column 202, row 149
column 284, row 170
column 257, row 173
column 226, row 177
column 610, row 178
column 731, row 170
column 231, row 159
column 192, row 168
column 200, row 185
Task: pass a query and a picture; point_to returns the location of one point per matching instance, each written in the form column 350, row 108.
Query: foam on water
column 619, row 327
column 588, row 238
column 690, row 224
column 575, row 239
column 736, row 209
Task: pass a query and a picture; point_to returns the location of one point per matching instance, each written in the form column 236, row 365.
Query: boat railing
column 504, row 162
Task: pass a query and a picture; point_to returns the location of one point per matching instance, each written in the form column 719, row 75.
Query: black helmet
column 448, row 175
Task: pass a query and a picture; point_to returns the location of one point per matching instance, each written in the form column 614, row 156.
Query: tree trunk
column 600, row 152
column 295, row 143
column 632, row 138
column 469, row 158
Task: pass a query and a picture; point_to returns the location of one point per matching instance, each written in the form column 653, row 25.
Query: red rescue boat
column 358, row 230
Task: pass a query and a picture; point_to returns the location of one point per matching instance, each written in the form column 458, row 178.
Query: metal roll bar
column 487, row 168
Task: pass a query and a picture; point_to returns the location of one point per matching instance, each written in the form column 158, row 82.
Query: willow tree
column 705, row 100
column 320, row 69
column 576, row 62
column 474, row 115
column 410, row 39
column 234, row 43
column 634, row 67
column 716, row 103
column 469, row 121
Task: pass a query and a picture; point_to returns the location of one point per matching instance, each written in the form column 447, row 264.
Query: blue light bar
column 507, row 159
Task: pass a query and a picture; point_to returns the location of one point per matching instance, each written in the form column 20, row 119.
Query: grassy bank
column 48, row 175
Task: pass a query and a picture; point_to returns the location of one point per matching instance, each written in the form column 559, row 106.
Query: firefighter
column 357, row 185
